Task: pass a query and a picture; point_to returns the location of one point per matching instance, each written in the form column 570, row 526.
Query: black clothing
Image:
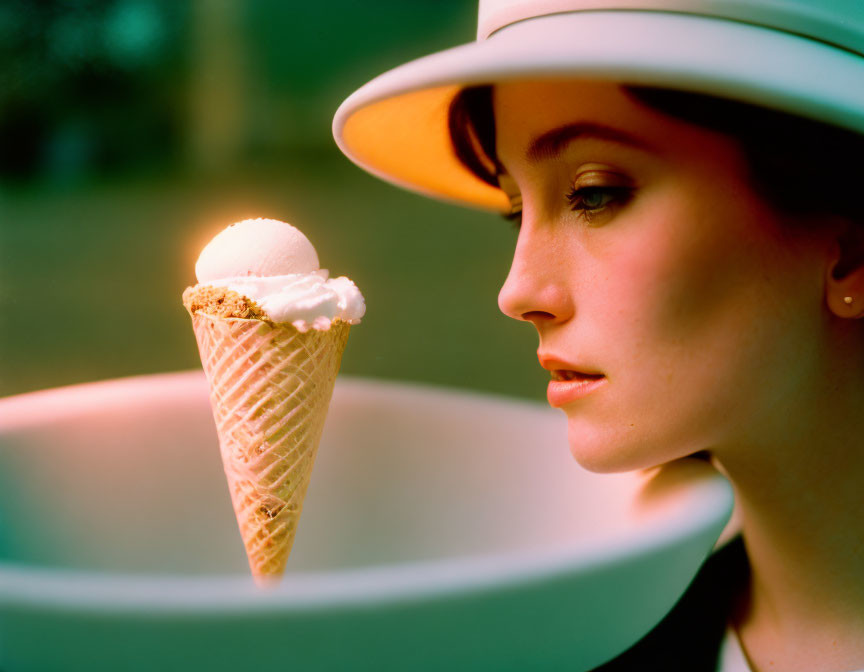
column 689, row 638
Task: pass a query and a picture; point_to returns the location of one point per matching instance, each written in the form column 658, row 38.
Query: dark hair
column 779, row 148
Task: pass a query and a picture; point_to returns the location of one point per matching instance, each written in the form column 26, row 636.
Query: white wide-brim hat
column 799, row 56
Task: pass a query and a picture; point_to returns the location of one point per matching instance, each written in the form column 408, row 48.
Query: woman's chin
column 604, row 452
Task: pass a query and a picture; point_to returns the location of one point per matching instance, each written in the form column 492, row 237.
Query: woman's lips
column 567, row 386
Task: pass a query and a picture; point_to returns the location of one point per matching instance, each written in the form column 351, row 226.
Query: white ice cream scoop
column 256, row 247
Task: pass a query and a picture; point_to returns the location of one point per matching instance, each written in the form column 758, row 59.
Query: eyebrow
column 550, row 144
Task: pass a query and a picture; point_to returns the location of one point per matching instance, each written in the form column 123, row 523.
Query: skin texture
column 718, row 325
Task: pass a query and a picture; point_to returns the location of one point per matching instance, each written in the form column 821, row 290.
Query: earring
column 847, row 300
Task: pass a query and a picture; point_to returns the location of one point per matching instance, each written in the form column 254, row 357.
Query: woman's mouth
column 567, row 386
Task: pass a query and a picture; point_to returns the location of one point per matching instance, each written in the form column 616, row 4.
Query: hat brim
column 396, row 126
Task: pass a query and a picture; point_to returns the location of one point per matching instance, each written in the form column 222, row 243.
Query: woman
column 694, row 269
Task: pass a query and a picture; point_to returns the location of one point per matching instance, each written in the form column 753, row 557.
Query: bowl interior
column 125, row 476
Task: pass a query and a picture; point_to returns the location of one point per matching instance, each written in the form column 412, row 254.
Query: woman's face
column 645, row 260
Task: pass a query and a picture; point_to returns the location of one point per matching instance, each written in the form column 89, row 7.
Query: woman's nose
column 536, row 287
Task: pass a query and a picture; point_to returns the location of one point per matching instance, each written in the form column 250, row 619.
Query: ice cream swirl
column 306, row 300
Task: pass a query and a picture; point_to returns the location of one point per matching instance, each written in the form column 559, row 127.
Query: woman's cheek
column 682, row 269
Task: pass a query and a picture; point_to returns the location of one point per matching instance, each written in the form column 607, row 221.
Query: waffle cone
column 270, row 387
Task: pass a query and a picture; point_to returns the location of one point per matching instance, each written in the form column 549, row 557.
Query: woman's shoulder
column 690, row 636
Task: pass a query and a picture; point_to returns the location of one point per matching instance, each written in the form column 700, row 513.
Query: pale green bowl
column 442, row 530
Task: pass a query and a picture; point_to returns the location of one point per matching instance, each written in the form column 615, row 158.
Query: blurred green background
column 131, row 131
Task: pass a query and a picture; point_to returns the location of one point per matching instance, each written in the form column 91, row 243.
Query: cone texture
column 270, row 387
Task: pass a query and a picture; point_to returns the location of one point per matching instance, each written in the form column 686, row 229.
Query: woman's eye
column 587, row 201
column 591, row 200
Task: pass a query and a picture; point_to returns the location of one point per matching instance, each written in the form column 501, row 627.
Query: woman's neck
column 801, row 509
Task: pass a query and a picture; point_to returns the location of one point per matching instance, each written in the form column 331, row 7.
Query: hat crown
column 838, row 22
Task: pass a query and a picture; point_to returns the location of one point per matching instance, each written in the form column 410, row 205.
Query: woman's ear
column 844, row 284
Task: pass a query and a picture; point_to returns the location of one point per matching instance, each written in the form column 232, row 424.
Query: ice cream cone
column 270, row 387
